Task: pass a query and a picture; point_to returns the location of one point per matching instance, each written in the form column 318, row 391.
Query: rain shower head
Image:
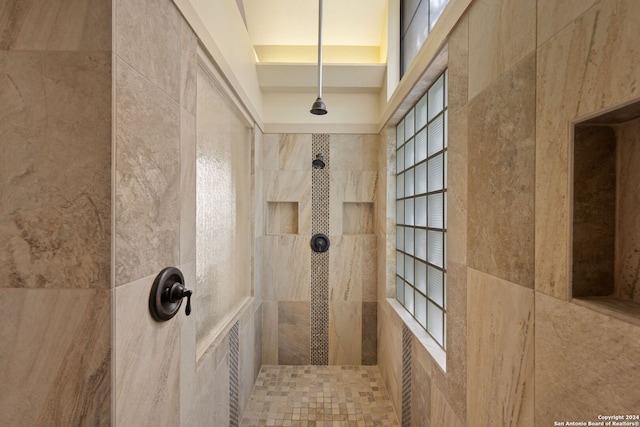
column 318, row 108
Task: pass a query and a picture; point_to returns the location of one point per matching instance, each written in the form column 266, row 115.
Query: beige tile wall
column 519, row 75
column 55, row 213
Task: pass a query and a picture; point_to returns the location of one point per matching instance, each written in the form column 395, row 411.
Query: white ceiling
column 295, row 22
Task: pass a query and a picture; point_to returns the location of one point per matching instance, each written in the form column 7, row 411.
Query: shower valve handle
column 167, row 293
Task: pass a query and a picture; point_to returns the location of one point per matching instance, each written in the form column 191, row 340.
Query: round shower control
column 320, row 242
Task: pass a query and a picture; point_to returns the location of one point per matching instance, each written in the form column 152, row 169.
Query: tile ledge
column 430, row 345
column 625, row 310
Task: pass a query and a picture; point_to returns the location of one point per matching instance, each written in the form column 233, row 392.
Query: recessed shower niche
column 606, row 212
column 282, row 218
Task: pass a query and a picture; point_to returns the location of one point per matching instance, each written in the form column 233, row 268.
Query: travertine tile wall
column 183, row 182
column 286, row 258
column 55, row 213
column 99, row 137
column 518, row 79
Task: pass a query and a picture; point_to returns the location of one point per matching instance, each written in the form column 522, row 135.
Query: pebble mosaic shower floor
column 319, row 396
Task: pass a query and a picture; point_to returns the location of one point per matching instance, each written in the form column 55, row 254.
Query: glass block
column 445, row 210
column 436, row 211
column 445, row 126
column 400, row 186
column 400, row 211
column 400, row 134
column 408, row 183
column 408, row 240
column 408, row 269
column 421, row 145
column 421, row 243
column 435, row 322
column 416, row 34
column 435, row 248
column 436, row 135
column 421, row 113
column 408, row 126
column 421, row 211
column 421, row 178
column 436, row 285
column 409, row 154
column 400, row 238
column 436, row 8
column 400, row 160
column 436, row 99
column 399, row 263
column 400, row 289
column 446, row 155
column 421, row 309
column 420, row 276
column 435, row 170
column 408, row 212
column 408, row 298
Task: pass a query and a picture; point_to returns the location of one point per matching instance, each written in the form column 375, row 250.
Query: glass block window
column 421, row 210
column 417, row 18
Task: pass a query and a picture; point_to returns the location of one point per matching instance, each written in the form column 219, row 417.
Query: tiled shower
column 319, row 308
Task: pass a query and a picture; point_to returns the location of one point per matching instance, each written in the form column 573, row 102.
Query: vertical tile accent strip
column 320, row 261
column 234, row 403
column 406, row 376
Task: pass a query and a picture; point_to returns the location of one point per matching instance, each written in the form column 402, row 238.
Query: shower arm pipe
column 320, row 49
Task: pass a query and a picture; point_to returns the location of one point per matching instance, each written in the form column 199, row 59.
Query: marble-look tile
column 257, row 341
column 457, row 181
column 270, row 332
column 187, row 187
column 390, row 352
column 147, row 182
column 270, row 267
column 554, row 15
column 501, row 159
column 294, row 268
column 270, row 153
column 369, row 267
column 420, row 395
column 55, row 25
column 594, row 207
column 294, row 152
column 188, row 67
column 353, row 152
column 55, row 169
column 345, row 268
column 458, row 68
column 628, row 259
column 188, row 379
column 291, row 186
column 501, row 34
column 55, row 357
column 294, row 336
column 147, row 36
column 345, row 326
column 586, row 363
column 369, row 333
column 357, row 218
column 246, row 354
column 211, row 401
column 601, row 47
column 147, row 359
column 258, row 201
column 442, row 414
column 349, row 187
column 282, row 218
column 500, row 346
column 455, row 389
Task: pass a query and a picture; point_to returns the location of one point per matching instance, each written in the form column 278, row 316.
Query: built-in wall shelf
column 282, row 218
column 606, row 219
column 357, row 218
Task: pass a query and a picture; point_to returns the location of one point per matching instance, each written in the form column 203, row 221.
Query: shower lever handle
column 177, row 292
column 167, row 293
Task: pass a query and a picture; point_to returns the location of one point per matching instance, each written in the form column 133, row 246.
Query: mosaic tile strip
column 406, row 376
column 319, row 396
column 320, row 261
column 234, row 347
